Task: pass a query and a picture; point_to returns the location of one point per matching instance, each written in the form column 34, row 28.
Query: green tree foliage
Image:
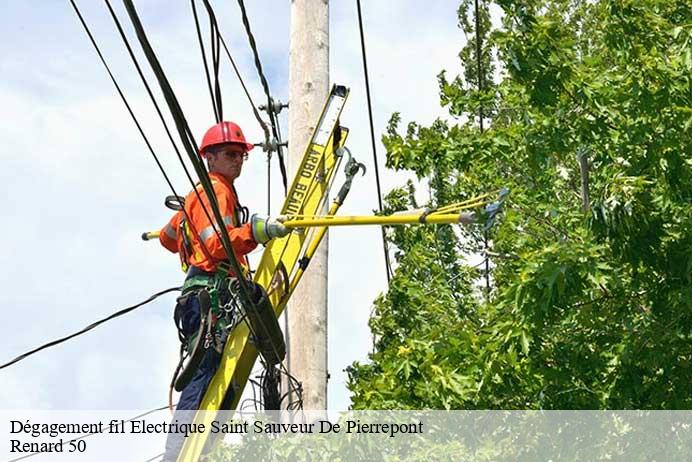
column 590, row 305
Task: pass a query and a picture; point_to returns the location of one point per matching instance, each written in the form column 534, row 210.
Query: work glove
column 264, row 229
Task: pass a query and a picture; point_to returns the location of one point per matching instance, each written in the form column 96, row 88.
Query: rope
column 388, row 263
column 87, row 328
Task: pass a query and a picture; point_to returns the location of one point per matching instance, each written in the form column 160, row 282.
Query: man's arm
column 168, row 236
column 241, row 237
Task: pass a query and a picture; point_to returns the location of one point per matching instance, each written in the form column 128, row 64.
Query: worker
column 195, row 238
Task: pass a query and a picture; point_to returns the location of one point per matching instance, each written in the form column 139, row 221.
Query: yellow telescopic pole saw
column 462, row 212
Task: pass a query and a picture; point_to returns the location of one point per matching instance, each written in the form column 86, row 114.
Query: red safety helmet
column 224, row 133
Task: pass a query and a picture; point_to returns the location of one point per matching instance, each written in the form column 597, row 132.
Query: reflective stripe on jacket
column 206, row 258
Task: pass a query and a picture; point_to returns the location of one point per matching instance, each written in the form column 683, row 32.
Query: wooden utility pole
column 308, row 90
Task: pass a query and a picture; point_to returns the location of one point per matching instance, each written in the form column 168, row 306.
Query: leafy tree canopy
column 586, row 118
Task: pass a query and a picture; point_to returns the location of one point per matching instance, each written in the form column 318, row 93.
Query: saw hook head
column 352, row 167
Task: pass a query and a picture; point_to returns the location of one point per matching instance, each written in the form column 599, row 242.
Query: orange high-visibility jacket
column 206, row 257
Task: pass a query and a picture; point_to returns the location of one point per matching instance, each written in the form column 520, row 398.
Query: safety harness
column 219, row 312
column 217, row 297
column 221, row 308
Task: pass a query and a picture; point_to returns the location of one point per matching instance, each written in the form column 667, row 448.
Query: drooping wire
column 205, row 250
column 187, row 139
column 216, row 42
column 255, row 111
column 191, row 147
column 157, row 457
column 172, row 104
column 86, row 435
column 148, row 144
column 214, row 93
column 219, row 37
column 263, row 125
column 265, row 86
column 260, row 384
column 388, row 263
column 88, row 328
column 212, row 197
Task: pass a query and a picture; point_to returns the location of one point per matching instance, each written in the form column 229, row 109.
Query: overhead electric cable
column 156, row 457
column 192, row 150
column 129, row 108
column 372, row 140
column 204, row 248
column 255, row 111
column 212, row 198
column 263, row 125
column 214, row 93
column 86, row 435
column 186, row 137
column 265, row 86
column 215, row 40
column 217, row 36
column 87, row 328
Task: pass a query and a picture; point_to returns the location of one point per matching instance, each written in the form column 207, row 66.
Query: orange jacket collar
column 222, row 179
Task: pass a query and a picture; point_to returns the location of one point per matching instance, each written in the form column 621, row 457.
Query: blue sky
column 79, row 186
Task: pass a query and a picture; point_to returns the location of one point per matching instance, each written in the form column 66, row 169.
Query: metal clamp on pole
column 276, row 106
column 271, row 145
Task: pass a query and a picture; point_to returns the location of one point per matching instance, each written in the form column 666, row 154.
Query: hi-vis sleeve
column 241, row 236
column 168, row 237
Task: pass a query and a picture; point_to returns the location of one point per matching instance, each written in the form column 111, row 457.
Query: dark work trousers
column 192, row 394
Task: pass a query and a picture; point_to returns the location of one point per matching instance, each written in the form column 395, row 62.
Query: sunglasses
column 227, row 152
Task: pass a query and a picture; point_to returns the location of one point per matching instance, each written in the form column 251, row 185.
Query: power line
column 88, row 328
column 183, row 129
column 265, row 86
column 184, row 132
column 188, row 141
column 372, row 140
column 262, row 123
column 193, row 157
column 92, row 434
column 215, row 93
column 131, row 112
column 216, row 38
column 192, row 150
column 156, row 457
column 219, row 35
